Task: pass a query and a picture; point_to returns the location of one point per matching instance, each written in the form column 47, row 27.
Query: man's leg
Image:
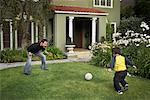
column 43, row 60
column 28, row 64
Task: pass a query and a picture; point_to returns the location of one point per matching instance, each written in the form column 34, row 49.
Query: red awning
column 76, row 9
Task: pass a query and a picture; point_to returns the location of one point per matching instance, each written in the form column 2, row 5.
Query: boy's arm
column 128, row 62
column 112, row 63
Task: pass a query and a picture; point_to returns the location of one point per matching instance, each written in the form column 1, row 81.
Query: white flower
column 143, row 29
column 148, row 45
column 147, row 37
column 137, row 45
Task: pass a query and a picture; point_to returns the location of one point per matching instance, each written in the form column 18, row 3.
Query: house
column 83, row 22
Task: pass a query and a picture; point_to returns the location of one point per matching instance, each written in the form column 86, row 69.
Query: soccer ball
column 88, row 76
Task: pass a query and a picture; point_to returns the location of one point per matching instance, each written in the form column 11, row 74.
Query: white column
column 93, row 30
column 44, row 32
column 32, row 32
column 71, row 28
column 11, row 35
column 1, row 33
column 16, row 40
column 36, row 34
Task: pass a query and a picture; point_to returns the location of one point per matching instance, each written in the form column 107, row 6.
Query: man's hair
column 116, row 50
column 43, row 40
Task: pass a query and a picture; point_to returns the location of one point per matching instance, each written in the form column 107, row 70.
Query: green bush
column 57, row 53
column 109, row 32
column 101, row 55
column 141, row 57
column 131, row 23
column 9, row 56
column 12, row 56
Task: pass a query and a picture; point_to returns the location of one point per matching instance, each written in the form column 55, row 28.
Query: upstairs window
column 103, row 3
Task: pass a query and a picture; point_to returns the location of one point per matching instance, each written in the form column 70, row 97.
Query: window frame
column 102, row 5
column 115, row 26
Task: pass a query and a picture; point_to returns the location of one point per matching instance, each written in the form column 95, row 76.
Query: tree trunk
column 25, row 34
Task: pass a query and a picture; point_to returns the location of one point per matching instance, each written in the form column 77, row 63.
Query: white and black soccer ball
column 88, row 76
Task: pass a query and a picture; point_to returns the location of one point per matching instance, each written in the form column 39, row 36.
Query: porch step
column 83, row 53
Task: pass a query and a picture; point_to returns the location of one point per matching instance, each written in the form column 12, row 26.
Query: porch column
column 11, row 35
column 36, row 34
column 44, row 32
column 1, row 34
column 16, row 39
column 71, row 28
column 32, row 32
column 93, row 30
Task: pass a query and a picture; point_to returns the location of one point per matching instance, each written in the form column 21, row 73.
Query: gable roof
column 77, row 10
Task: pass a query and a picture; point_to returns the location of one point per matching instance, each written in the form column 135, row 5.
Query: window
column 113, row 25
column 103, row 3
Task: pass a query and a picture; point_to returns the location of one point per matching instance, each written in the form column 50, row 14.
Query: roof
column 77, row 10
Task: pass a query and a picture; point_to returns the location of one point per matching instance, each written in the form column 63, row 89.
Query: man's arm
column 48, row 53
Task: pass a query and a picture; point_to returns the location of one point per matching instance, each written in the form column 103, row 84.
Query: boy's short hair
column 116, row 50
column 43, row 40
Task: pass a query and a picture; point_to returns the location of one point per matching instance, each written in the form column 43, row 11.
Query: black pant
column 120, row 78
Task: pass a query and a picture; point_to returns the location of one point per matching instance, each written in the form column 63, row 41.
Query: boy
column 36, row 49
column 119, row 64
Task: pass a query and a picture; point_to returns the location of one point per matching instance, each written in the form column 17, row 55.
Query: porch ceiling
column 77, row 10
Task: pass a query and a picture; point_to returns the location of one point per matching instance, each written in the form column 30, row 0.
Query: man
column 37, row 49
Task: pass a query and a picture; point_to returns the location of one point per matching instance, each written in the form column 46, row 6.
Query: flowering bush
column 101, row 54
column 131, row 37
column 136, row 46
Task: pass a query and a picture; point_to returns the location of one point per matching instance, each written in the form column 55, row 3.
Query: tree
column 23, row 12
column 142, row 9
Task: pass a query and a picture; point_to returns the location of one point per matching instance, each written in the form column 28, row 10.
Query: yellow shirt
column 120, row 63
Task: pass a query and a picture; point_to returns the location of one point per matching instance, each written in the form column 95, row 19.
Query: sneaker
column 26, row 74
column 126, row 87
column 44, row 68
column 120, row 92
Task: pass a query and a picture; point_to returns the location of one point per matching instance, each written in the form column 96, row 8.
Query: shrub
column 57, row 53
column 131, row 23
column 109, row 32
column 9, row 56
column 12, row 56
column 101, row 55
column 140, row 55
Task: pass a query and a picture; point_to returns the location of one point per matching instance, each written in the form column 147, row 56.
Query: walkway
column 83, row 55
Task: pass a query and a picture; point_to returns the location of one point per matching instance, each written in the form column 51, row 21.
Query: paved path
column 17, row 64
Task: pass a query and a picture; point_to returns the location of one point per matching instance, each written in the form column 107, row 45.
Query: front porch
column 80, row 27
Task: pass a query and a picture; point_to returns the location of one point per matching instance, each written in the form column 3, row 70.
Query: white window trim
column 115, row 26
column 101, row 5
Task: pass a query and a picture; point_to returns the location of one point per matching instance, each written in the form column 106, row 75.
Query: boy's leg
column 28, row 64
column 43, row 60
column 123, row 76
column 116, row 81
column 123, row 82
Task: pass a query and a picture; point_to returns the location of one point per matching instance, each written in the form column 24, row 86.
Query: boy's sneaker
column 126, row 87
column 120, row 92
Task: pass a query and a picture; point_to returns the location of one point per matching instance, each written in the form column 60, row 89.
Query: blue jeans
column 120, row 78
column 28, row 63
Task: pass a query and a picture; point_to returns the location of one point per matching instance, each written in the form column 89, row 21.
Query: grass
column 65, row 81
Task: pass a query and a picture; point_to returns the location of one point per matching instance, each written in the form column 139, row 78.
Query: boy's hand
column 109, row 69
column 134, row 67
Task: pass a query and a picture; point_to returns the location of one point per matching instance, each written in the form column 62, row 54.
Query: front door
column 78, row 34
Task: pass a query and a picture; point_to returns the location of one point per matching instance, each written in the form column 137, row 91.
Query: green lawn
column 65, row 81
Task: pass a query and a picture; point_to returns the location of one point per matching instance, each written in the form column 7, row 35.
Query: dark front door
column 78, row 34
